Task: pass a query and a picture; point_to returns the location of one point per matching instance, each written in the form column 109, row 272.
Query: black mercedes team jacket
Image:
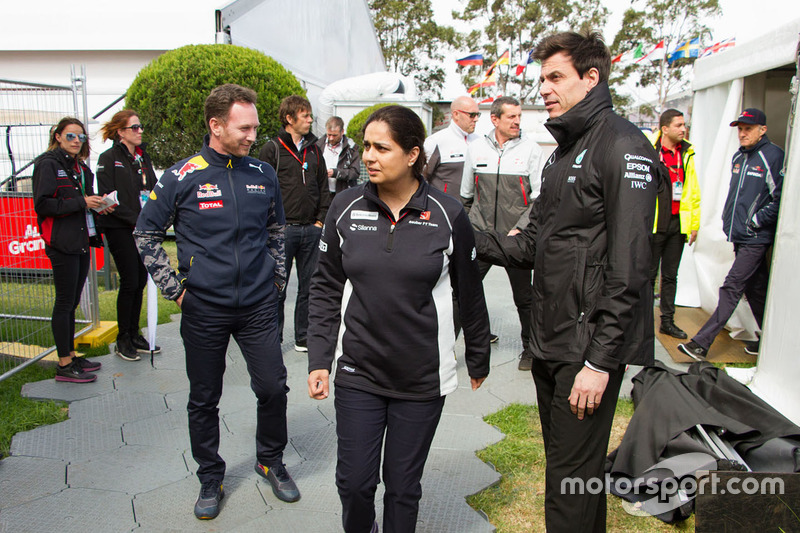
column 381, row 300
column 588, row 240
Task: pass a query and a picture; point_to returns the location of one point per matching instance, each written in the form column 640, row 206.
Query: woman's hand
column 477, row 382
column 318, row 384
column 93, row 201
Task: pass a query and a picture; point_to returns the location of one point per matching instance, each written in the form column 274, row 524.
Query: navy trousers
column 206, row 329
column 364, row 423
column 749, row 275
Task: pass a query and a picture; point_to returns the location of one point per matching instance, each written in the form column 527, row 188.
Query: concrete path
column 122, row 462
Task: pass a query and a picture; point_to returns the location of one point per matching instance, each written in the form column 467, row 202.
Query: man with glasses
column 446, row 149
column 500, row 181
column 303, row 177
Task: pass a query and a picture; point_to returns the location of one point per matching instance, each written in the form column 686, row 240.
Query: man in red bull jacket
column 228, row 217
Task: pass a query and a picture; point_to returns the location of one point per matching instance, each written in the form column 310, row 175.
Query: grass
column 22, row 414
column 517, row 502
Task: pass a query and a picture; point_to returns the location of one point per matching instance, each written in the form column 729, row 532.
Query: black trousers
column 749, row 275
column 132, row 279
column 302, row 245
column 206, row 329
column 522, row 291
column 667, row 249
column 69, row 276
column 574, row 448
column 405, row 429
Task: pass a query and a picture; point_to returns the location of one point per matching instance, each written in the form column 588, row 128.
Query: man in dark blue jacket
column 748, row 219
column 228, row 217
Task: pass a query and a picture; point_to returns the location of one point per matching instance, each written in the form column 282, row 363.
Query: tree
column 413, row 43
column 647, row 23
column 169, row 94
column 517, row 25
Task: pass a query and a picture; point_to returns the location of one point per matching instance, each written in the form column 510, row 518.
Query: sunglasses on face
column 134, row 127
column 471, row 115
column 72, row 136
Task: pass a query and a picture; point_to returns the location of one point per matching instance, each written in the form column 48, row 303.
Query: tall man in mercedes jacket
column 588, row 241
column 748, row 220
column 228, row 218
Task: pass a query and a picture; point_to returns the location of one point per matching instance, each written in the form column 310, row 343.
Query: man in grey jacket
column 501, row 179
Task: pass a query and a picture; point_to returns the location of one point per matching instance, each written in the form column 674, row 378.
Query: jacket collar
column 493, row 140
column 573, row 124
column 217, row 159
column 418, row 201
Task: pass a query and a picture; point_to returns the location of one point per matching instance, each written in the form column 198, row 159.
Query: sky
column 739, row 19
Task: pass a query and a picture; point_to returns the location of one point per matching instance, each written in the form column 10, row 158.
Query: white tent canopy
column 754, row 74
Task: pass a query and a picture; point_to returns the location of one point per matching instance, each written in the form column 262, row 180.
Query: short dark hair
column 667, row 116
column 59, row 129
column 586, row 50
column 291, row 106
column 334, row 123
column 497, row 106
column 219, row 102
column 406, row 129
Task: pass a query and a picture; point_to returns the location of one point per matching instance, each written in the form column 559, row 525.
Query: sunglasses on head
column 134, row 127
column 72, row 136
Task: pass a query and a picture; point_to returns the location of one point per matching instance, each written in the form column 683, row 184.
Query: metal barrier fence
column 28, row 111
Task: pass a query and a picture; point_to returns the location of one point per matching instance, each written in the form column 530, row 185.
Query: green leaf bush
column 169, row 94
column 355, row 128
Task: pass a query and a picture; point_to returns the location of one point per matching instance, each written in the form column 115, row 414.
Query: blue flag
column 685, row 49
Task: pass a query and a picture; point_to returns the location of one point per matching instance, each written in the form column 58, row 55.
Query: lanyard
column 303, row 163
column 79, row 168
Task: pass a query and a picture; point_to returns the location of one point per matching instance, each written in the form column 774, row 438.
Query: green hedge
column 169, row 94
column 355, row 128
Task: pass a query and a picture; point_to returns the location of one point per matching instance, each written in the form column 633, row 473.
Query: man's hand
column 179, row 301
column 318, row 384
column 692, row 237
column 477, row 382
column 318, row 224
column 330, row 172
column 513, row 231
column 587, row 391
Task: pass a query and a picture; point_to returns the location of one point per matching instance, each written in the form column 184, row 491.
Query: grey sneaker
column 694, row 350
column 207, row 505
column 525, row 362
column 282, row 483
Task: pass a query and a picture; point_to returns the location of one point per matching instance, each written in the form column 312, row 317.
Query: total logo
column 30, row 242
column 362, row 227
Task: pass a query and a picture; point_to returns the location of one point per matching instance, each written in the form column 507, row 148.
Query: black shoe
column 282, row 483
column 73, row 373
column 124, row 348
column 493, row 338
column 525, row 361
column 301, row 345
column 694, row 350
column 752, row 347
column 207, row 505
column 142, row 345
column 669, row 328
column 86, row 365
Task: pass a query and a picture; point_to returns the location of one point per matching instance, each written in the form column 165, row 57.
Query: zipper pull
column 580, row 318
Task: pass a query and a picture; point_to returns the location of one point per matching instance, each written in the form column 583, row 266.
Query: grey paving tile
column 293, row 520
column 152, row 380
column 171, row 507
column 50, row 389
column 170, row 430
column 71, row 440
column 129, row 469
column 24, row 479
column 464, row 432
column 120, row 407
column 72, row 511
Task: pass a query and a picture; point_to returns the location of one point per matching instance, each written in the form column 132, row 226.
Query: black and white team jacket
column 381, row 305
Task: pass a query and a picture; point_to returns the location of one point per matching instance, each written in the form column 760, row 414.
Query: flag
column 685, row 50
column 490, row 99
column 631, row 55
column 488, row 81
column 524, row 63
column 502, row 61
column 719, row 47
column 659, row 46
column 472, row 59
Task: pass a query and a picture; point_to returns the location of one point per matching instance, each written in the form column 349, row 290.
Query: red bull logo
column 207, row 190
column 195, row 163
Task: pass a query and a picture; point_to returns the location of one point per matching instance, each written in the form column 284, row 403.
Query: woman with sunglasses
column 126, row 168
column 63, row 199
